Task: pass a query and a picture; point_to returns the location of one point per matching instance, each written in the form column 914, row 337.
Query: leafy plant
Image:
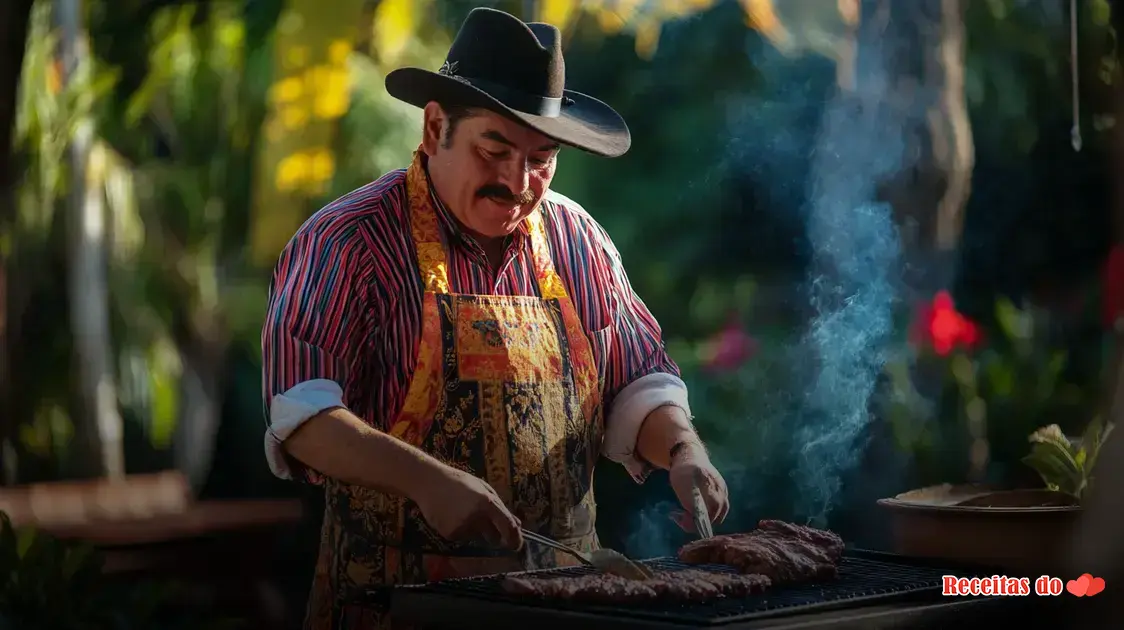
column 51, row 584
column 1067, row 465
column 983, row 401
column 48, row 584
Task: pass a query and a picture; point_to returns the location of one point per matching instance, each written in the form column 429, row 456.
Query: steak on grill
column 682, row 586
column 785, row 552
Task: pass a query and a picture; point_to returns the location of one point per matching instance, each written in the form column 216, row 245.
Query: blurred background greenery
column 160, row 153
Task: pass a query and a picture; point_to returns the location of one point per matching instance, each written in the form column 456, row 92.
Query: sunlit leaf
column 1012, row 321
column 1100, row 12
column 964, row 371
column 557, row 12
column 287, row 90
column 396, row 22
column 1056, row 467
column 164, row 373
column 761, row 16
column 647, row 39
column 25, row 539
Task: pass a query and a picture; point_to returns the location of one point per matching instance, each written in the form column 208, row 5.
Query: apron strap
column 433, row 257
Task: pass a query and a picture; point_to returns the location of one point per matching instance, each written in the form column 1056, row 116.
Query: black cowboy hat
column 502, row 64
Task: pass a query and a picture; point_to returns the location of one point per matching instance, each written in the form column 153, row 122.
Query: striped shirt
column 344, row 317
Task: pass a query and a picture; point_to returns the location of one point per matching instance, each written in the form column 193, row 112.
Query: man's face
column 490, row 171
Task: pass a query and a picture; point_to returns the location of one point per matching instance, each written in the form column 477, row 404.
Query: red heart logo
column 1096, row 585
column 1080, row 586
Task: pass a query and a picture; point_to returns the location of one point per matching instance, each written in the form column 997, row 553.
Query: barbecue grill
column 865, row 579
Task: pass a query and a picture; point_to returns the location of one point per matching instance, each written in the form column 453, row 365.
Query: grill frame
column 867, row 578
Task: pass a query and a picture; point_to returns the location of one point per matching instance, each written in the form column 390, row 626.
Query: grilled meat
column 680, row 586
column 609, row 589
column 784, row 552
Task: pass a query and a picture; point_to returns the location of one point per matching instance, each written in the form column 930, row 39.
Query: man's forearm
column 662, row 429
column 340, row 445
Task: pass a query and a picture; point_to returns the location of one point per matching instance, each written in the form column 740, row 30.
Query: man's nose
column 515, row 175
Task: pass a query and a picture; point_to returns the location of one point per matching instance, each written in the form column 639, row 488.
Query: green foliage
column 1066, row 465
column 997, row 395
column 671, row 183
column 379, row 133
column 49, row 584
column 180, row 91
column 48, row 112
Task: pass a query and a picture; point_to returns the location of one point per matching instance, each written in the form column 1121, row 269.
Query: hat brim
column 585, row 123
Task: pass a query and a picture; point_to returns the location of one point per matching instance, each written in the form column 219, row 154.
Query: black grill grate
column 864, row 578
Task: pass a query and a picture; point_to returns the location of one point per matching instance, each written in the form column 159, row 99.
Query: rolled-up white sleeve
column 289, row 411
column 315, row 326
column 628, row 411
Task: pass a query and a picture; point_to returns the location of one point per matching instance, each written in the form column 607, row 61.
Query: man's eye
column 538, row 161
column 495, row 155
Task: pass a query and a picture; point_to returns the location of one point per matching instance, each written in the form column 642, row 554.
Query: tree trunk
column 200, row 410
column 14, row 18
column 950, row 128
column 919, row 47
column 97, row 420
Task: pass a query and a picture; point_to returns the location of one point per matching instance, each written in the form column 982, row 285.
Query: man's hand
column 689, row 464
column 456, row 504
column 463, row 507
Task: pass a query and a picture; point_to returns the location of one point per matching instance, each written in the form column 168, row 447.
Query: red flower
column 729, row 349
column 1112, row 289
column 938, row 325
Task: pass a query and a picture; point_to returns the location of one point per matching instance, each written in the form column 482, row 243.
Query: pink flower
column 729, row 349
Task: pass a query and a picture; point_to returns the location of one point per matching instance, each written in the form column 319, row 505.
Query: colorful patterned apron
column 506, row 388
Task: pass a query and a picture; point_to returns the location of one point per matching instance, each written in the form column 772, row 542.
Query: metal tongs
column 604, row 560
column 699, row 514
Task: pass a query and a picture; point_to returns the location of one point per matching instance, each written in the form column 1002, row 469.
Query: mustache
column 499, row 192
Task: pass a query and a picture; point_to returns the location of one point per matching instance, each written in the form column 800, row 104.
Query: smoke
column 852, row 283
column 852, row 279
column 854, row 306
column 823, row 163
column 652, row 533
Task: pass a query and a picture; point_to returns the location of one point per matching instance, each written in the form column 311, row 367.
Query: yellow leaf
column 287, row 90
column 647, row 39
column 338, row 52
column 683, row 8
column 292, row 172
column 315, row 45
column 761, row 17
column 394, row 26
column 610, row 21
column 557, row 12
column 332, row 95
column 331, row 105
column 294, row 117
column 322, row 166
column 54, row 77
column 296, row 57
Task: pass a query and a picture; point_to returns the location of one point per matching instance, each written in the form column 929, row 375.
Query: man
column 449, row 349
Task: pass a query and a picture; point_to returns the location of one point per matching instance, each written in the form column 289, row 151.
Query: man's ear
column 433, row 126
